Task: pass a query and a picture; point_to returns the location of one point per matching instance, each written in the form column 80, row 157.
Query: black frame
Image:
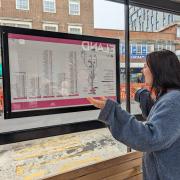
column 162, row 5
column 48, row 131
column 4, row 30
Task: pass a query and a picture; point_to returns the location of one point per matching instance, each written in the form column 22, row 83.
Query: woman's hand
column 99, row 103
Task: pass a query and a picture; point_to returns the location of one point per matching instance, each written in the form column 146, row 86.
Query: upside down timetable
column 50, row 72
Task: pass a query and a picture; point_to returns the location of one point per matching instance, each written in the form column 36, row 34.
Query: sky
column 108, row 15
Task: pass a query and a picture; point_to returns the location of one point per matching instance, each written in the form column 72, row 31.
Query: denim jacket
column 158, row 138
column 146, row 102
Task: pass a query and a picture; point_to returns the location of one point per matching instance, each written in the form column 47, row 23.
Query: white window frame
column 169, row 47
column 178, row 31
column 19, row 8
column 49, row 11
column 131, row 48
column 50, row 25
column 160, row 47
column 75, row 27
column 16, row 23
column 150, row 48
column 73, row 2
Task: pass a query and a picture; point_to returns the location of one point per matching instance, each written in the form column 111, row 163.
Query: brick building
column 73, row 16
column 77, row 16
column 142, row 43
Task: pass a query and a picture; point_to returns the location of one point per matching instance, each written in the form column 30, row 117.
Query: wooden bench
column 127, row 167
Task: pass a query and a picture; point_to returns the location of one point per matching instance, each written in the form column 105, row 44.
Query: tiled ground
column 40, row 158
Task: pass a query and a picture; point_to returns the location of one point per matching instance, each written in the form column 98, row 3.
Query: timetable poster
column 48, row 73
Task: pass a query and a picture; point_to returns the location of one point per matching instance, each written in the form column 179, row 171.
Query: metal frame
column 43, row 132
column 8, row 114
column 161, row 5
column 127, row 57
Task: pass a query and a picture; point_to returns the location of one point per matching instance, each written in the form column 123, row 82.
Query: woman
column 159, row 137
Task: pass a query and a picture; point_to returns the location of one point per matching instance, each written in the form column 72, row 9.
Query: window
column 22, row 4
column 144, row 49
column 138, row 48
column 151, row 19
column 147, row 12
column 152, row 27
column 150, row 48
column 16, row 23
column 168, row 47
column 164, row 21
column 134, row 25
column 49, row 6
column 156, row 16
column 75, row 29
column 178, row 31
column 142, row 26
column 157, row 25
column 144, row 14
column 160, row 47
column 147, row 23
column 74, row 7
column 169, row 19
column 133, row 49
column 50, row 27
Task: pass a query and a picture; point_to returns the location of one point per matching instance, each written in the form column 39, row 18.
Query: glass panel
column 160, row 31
column 48, row 27
column 22, row 4
column 87, row 17
column 15, row 23
column 75, row 30
column 49, row 6
column 74, row 7
column 178, row 31
column 112, row 25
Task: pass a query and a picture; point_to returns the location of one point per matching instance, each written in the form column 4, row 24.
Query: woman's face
column 147, row 75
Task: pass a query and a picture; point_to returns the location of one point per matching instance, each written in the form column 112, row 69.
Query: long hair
column 165, row 68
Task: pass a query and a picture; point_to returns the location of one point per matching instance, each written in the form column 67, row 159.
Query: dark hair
column 165, row 68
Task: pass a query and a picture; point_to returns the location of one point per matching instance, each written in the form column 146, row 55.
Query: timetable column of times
column 40, row 85
column 62, row 83
column 30, row 86
column 47, row 74
column 73, row 91
column 19, row 85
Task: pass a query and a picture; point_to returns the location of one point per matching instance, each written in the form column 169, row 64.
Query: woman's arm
column 161, row 130
column 143, row 96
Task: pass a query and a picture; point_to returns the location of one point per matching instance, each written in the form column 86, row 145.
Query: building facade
column 73, row 16
column 147, row 20
column 142, row 43
column 77, row 16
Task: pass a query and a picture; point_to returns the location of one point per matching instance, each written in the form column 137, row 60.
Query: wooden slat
column 111, row 171
column 121, row 161
column 137, row 177
column 123, row 175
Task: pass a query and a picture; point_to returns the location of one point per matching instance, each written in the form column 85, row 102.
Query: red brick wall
column 37, row 16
